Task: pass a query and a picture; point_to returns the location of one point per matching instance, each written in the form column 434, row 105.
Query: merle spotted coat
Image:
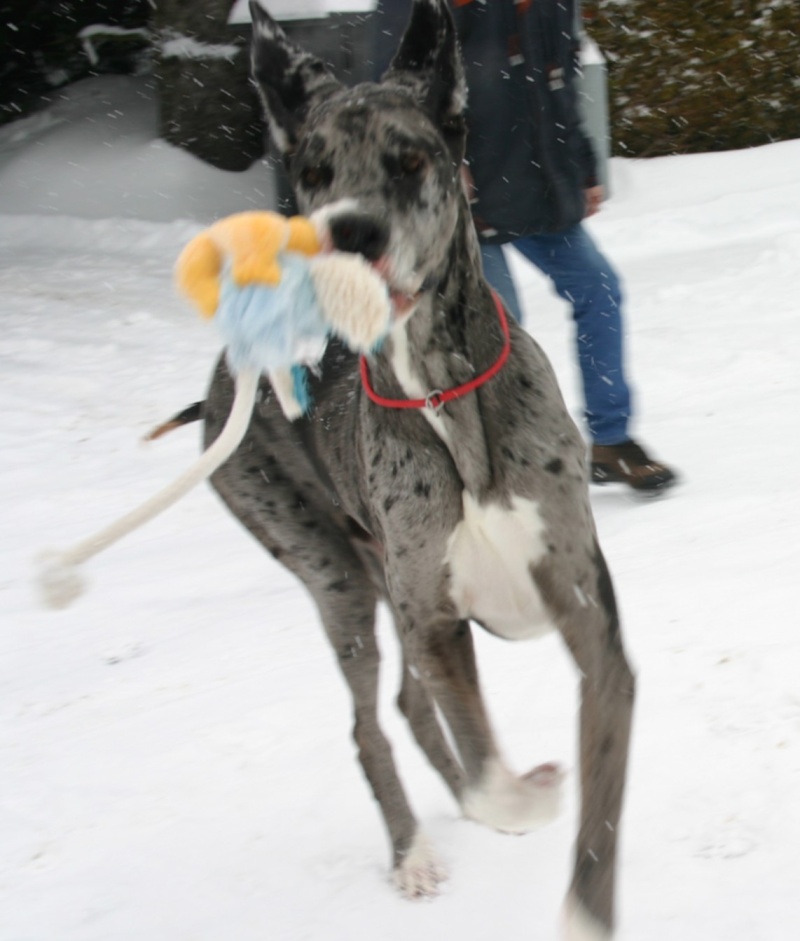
column 475, row 512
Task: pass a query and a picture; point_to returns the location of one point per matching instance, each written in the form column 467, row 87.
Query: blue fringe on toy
column 275, row 328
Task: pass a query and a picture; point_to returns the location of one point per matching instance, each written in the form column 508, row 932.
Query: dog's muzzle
column 368, row 236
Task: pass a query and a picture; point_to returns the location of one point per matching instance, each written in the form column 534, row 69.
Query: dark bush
column 41, row 48
column 707, row 75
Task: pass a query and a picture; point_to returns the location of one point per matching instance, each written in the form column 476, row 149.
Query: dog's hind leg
column 418, row 708
column 348, row 617
column 346, row 599
column 291, row 522
column 413, row 700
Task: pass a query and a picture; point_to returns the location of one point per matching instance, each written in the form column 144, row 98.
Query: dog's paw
column 419, row 873
column 514, row 804
column 578, row 925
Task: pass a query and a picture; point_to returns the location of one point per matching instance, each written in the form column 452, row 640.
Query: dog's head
column 382, row 160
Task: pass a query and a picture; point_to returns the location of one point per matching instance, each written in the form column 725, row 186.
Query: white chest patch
column 490, row 553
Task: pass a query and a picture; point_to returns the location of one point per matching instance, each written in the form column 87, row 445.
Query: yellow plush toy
column 250, row 243
column 278, row 292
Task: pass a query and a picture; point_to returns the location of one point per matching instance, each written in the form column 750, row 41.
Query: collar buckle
column 435, row 401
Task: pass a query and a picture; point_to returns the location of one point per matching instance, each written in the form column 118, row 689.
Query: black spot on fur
column 388, row 503
column 339, row 586
column 555, row 466
column 607, row 745
column 352, row 121
column 422, row 489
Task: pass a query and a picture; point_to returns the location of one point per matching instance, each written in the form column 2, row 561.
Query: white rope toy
column 272, row 324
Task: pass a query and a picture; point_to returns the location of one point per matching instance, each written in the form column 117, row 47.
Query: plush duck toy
column 277, row 292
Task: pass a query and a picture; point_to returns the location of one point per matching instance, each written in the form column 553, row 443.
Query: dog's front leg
column 607, row 692
column 443, row 653
column 593, row 636
column 444, row 657
column 417, row 706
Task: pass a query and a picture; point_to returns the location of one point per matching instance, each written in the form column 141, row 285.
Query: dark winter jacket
column 528, row 155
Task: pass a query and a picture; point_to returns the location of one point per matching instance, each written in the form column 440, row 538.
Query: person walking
column 531, row 174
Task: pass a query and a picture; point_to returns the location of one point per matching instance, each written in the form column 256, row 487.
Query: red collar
column 437, row 398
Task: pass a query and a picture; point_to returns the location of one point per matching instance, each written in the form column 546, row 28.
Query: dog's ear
column 287, row 77
column 429, row 62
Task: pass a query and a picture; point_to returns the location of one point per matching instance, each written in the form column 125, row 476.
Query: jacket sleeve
column 588, row 156
column 586, row 150
column 569, row 60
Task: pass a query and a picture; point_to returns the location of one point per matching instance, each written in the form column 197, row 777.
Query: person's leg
column 583, row 277
column 496, row 272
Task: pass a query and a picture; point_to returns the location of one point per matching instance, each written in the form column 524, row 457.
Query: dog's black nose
column 363, row 235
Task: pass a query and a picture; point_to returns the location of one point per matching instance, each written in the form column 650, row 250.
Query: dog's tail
column 193, row 413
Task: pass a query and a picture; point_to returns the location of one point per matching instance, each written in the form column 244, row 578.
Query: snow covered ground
column 175, row 751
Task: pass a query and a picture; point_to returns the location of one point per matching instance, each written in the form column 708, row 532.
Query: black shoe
column 628, row 463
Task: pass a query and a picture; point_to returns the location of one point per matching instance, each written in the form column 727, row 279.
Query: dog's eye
column 412, row 162
column 313, row 177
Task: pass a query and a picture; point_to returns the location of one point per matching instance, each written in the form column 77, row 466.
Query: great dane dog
column 441, row 474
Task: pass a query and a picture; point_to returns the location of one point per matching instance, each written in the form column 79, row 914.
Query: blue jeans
column 583, row 277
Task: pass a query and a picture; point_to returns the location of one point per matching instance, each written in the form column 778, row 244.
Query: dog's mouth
column 403, row 299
